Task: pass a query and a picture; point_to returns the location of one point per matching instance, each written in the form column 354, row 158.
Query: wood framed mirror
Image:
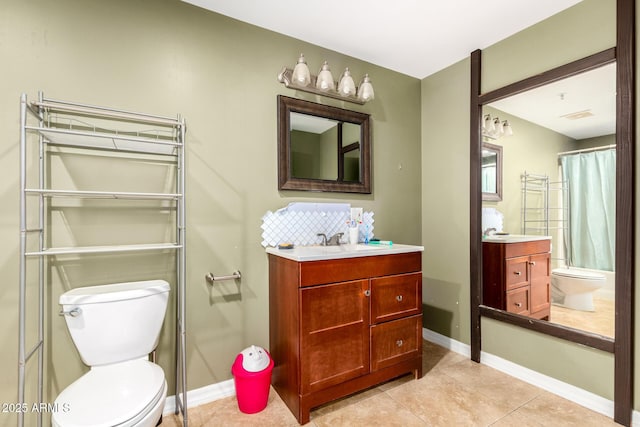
column 621, row 345
column 323, row 148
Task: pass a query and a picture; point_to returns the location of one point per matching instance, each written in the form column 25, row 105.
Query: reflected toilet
column 573, row 288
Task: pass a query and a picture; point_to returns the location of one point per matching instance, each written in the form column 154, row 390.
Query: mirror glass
column 491, row 172
column 322, row 148
column 559, row 175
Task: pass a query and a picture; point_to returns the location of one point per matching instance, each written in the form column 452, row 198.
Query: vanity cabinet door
column 395, row 341
column 393, row 297
column 334, row 335
column 540, row 271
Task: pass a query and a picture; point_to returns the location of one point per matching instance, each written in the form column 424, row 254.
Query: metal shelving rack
column 541, row 214
column 69, row 124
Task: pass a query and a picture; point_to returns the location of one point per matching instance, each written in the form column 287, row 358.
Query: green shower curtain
column 591, row 181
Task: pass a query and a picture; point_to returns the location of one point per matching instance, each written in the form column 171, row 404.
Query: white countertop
column 513, row 238
column 318, row 253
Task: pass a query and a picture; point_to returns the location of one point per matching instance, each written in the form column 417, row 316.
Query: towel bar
column 211, row 278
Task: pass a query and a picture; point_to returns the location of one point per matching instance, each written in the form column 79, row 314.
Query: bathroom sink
column 316, row 253
column 513, row 238
column 363, row 247
column 339, row 249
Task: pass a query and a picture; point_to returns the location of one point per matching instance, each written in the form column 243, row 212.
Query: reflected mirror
column 491, row 172
column 559, row 174
column 322, row 148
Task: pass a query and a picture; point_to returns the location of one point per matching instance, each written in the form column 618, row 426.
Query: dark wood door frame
column 622, row 346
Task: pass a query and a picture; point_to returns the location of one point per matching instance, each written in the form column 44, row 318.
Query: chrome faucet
column 335, row 239
column 487, row 231
column 332, row 241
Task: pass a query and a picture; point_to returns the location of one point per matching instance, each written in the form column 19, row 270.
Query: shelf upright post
column 181, row 307
column 41, row 265
column 23, row 260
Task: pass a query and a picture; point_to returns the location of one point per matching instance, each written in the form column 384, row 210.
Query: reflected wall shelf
column 62, row 125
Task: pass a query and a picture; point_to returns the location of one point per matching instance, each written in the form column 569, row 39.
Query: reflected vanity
column 322, row 148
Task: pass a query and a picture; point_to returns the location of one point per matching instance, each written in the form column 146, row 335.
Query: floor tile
column 510, row 392
column 439, row 400
column 453, row 391
column 379, row 410
column 549, row 409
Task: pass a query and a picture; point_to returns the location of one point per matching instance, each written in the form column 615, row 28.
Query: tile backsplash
column 300, row 223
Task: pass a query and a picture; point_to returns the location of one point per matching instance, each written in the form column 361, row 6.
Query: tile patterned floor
column 601, row 321
column 454, row 391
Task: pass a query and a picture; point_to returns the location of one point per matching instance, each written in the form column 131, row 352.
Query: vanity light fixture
column 365, row 92
column 324, row 81
column 301, row 75
column 323, row 84
column 347, row 87
column 493, row 128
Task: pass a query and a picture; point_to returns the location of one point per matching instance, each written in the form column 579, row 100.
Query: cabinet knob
column 518, row 304
column 367, row 293
column 399, row 343
column 399, row 298
column 532, row 263
column 517, row 273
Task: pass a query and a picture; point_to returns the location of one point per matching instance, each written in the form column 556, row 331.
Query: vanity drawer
column 396, row 296
column 518, row 301
column 395, row 341
column 517, row 272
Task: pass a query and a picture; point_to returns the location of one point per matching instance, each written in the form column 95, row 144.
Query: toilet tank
column 117, row 322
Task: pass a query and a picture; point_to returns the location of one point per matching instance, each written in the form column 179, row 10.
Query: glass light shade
column 325, row 79
column 508, row 131
column 301, row 75
column 489, row 127
column 498, row 126
column 347, row 87
column 365, row 91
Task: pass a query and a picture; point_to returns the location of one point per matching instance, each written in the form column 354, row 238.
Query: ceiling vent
column 578, row 115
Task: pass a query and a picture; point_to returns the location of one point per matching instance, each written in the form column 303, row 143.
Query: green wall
column 531, row 148
column 584, row 29
column 167, row 57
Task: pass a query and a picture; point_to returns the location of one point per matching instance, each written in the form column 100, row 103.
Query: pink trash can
column 252, row 377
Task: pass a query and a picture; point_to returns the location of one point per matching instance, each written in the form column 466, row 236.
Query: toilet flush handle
column 74, row 312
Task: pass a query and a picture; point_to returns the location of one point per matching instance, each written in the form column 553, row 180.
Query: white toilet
column 114, row 328
column 574, row 288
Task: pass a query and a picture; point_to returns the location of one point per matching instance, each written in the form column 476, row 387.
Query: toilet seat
column 577, row 274
column 119, row 395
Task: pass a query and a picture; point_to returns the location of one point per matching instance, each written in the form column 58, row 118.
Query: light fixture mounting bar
column 285, row 78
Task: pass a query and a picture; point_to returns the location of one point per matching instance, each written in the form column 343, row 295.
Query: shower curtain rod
column 604, row 147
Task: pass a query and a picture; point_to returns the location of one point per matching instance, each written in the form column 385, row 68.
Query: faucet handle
column 335, row 239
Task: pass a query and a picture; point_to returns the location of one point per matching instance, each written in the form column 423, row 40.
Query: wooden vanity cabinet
column 339, row 326
column 516, row 277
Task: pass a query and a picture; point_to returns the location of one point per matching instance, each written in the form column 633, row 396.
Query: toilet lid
column 109, row 395
column 578, row 274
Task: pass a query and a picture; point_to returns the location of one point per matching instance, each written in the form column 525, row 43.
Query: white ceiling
column 421, row 37
column 413, row 37
column 582, row 106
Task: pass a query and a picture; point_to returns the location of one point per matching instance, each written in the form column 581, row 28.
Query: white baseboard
column 446, row 342
column 552, row 385
column 202, row 395
column 223, row 389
